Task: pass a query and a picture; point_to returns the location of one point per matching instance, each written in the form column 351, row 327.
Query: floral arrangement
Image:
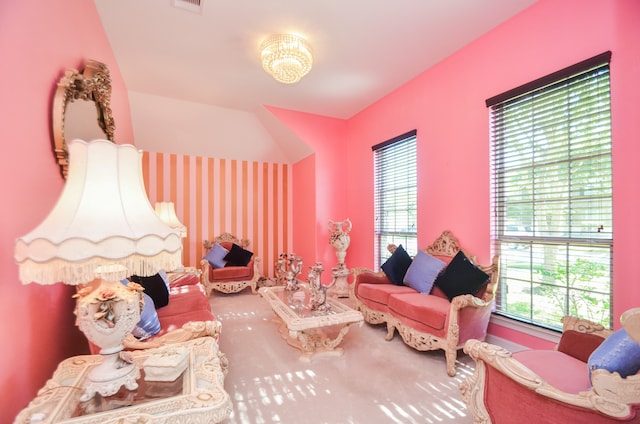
column 106, row 299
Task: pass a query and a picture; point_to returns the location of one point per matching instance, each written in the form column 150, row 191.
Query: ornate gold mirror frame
column 92, row 85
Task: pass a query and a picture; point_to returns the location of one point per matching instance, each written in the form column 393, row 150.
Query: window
column 395, row 192
column 552, row 196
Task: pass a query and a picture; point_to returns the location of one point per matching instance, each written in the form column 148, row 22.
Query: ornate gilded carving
column 92, row 85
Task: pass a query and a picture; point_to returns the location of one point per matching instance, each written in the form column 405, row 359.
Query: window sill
column 531, row 330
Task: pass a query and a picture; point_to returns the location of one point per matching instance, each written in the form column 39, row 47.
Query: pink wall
column 38, row 41
column 304, row 218
column 446, row 106
column 326, row 138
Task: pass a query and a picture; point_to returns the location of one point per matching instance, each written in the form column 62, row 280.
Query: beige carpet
column 374, row 381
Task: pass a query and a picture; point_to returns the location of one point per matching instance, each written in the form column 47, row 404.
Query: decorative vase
column 106, row 314
column 339, row 239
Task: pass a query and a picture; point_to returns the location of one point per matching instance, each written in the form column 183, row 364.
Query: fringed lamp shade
column 286, row 57
column 167, row 213
column 101, row 230
column 102, row 218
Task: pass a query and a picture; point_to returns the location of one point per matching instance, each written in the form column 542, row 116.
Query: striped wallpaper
column 247, row 199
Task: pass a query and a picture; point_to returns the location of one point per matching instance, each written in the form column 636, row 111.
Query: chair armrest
column 468, row 319
column 365, row 275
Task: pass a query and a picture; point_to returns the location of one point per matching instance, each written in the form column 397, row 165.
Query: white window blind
column 395, row 193
column 552, row 196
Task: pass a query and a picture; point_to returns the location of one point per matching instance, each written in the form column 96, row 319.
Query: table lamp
column 102, row 229
column 166, row 211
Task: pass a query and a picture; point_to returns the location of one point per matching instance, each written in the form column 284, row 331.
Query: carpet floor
column 374, row 381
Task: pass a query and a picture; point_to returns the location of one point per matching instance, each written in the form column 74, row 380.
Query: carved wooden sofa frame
column 446, row 245
column 229, row 286
column 610, row 395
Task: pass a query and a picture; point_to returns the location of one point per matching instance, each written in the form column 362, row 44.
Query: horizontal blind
column 552, row 198
column 395, row 193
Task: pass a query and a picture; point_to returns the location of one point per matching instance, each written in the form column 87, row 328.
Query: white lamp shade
column 103, row 218
column 167, row 213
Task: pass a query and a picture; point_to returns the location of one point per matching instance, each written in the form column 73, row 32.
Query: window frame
column 400, row 169
column 504, row 236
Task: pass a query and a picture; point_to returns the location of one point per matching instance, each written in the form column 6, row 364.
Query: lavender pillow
column 216, row 255
column 423, row 272
column 617, row 353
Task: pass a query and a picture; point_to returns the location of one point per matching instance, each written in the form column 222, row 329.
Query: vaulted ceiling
column 363, row 49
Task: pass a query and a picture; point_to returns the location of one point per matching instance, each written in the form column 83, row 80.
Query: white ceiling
column 363, row 49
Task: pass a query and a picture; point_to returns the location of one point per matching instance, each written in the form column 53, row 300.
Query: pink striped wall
column 248, row 199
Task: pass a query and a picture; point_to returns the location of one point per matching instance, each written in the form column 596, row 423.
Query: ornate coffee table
column 198, row 392
column 313, row 332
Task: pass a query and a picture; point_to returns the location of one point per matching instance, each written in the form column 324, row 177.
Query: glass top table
column 198, row 391
column 312, row 332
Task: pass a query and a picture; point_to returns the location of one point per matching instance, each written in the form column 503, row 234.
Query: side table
column 196, row 396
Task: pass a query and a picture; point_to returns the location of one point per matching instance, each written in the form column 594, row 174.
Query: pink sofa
column 555, row 386
column 187, row 316
column 428, row 321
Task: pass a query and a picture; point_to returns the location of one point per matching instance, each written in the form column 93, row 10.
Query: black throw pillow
column 238, row 256
column 155, row 287
column 461, row 276
column 397, row 265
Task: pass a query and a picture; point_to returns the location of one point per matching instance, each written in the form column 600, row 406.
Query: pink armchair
column 553, row 386
column 229, row 279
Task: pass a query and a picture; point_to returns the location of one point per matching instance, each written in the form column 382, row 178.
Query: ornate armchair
column 229, row 279
column 552, row 386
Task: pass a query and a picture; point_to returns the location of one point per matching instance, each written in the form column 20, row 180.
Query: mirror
column 81, row 109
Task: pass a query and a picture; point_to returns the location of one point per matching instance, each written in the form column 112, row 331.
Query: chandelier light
column 286, row 57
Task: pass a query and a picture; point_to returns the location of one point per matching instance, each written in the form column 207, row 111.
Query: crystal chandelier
column 286, row 57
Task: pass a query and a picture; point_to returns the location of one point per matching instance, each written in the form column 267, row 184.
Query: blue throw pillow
column 617, row 353
column 423, row 272
column 461, row 276
column 397, row 265
column 149, row 323
column 216, row 255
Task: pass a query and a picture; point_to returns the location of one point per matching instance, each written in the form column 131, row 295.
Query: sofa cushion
column 185, row 299
column 423, row 272
column 380, row 292
column 373, row 278
column 579, row 345
column 461, row 276
column 149, row 323
column 560, row 370
column 183, row 280
column 617, row 353
column 238, row 256
column 172, row 322
column 231, row 273
column 397, row 265
column 216, row 255
column 429, row 310
column 155, row 287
